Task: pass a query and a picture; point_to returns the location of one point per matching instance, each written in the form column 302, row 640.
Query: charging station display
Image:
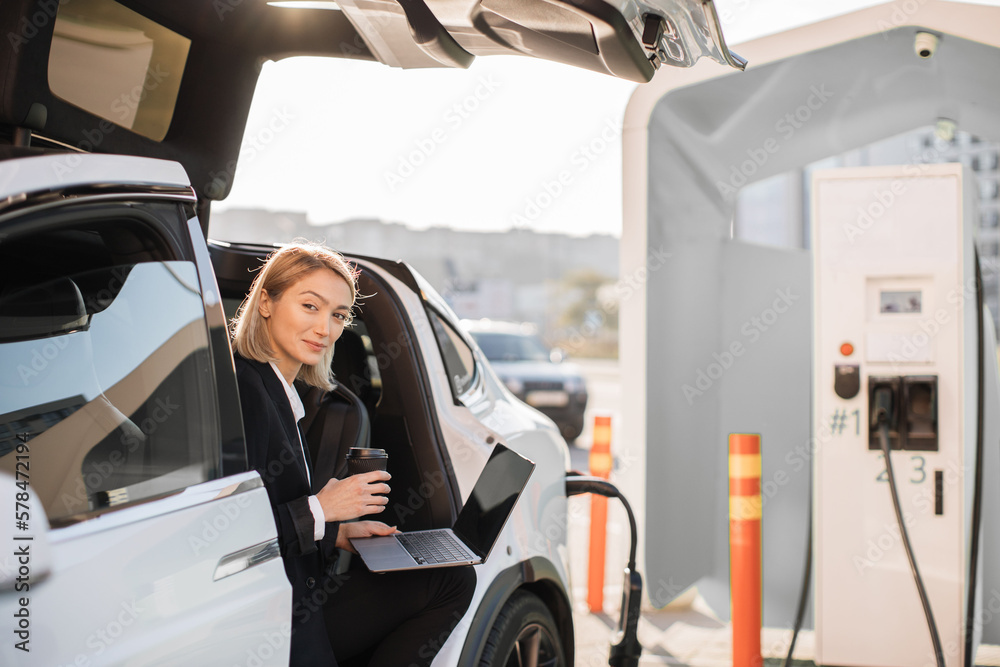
column 894, row 357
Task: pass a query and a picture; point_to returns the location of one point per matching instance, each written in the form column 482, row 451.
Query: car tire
column 524, row 633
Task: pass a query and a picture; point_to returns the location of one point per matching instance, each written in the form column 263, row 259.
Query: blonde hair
column 282, row 269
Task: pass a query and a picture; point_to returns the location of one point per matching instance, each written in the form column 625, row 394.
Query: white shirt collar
column 298, row 410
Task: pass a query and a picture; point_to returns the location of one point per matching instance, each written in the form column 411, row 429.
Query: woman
column 297, row 307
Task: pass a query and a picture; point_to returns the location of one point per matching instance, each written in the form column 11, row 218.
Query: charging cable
column 880, row 419
column 977, row 494
column 625, row 646
column 806, row 578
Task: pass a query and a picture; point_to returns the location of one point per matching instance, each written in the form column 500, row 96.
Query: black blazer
column 273, row 451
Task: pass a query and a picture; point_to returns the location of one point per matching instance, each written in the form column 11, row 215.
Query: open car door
column 174, row 80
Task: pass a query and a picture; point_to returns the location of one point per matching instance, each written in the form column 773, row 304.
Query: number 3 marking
column 920, row 461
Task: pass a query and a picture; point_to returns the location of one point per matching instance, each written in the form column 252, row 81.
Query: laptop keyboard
column 434, row 546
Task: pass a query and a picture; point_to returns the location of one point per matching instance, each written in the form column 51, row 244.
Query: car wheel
column 524, row 634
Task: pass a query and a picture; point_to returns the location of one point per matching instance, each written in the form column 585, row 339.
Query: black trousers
column 395, row 619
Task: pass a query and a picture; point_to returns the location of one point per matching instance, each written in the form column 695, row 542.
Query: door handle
column 244, row 559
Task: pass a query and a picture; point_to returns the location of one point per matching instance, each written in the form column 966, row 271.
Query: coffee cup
column 362, row 459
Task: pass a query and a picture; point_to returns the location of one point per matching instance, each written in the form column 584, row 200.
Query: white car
column 120, row 414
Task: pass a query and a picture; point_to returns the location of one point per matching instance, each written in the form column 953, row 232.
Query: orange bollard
column 745, row 548
column 600, row 466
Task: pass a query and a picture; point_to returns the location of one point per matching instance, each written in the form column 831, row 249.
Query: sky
column 511, row 142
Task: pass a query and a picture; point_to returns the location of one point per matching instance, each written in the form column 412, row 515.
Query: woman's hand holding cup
column 354, row 496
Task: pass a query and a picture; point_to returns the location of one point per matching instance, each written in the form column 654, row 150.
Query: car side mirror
column 33, row 312
column 557, row 355
column 27, row 553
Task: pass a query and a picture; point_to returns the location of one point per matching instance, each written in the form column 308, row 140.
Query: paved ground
column 686, row 636
column 685, row 632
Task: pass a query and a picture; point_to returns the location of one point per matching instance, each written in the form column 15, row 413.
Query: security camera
column 925, row 44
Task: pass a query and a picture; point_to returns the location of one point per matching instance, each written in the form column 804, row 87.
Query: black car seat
column 337, row 420
column 334, row 422
column 352, row 368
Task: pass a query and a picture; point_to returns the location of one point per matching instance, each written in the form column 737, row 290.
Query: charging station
column 709, row 354
column 895, row 348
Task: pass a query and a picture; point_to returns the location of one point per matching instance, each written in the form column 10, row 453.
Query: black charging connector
column 625, row 646
column 907, row 406
column 883, row 409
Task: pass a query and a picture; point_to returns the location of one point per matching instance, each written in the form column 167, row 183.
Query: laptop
column 476, row 530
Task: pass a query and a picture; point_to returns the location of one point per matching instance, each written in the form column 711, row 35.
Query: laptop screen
column 492, row 499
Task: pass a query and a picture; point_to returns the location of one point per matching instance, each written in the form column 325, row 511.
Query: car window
column 106, row 376
column 117, row 64
column 458, row 358
column 511, row 347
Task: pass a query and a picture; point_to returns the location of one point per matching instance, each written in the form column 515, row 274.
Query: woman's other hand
column 354, row 496
column 361, row 529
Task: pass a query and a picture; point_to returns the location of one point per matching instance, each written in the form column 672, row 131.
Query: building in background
column 566, row 285
column 550, row 280
column 775, row 211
